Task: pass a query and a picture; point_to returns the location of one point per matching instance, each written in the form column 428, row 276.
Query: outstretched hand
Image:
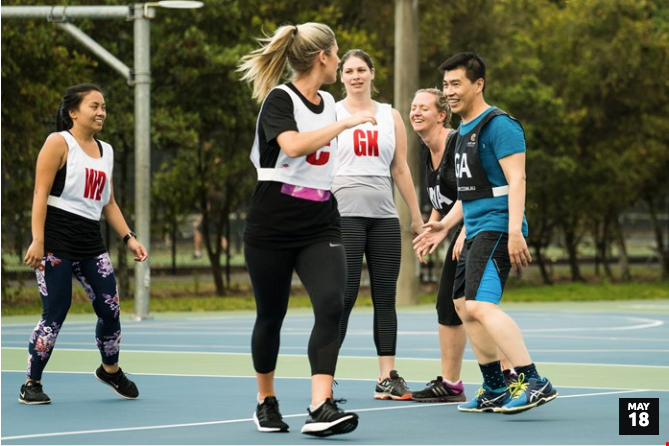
column 434, row 232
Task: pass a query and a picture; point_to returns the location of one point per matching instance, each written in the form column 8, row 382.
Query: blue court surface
column 197, row 384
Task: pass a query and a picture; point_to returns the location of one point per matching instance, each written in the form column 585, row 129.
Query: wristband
column 128, row 236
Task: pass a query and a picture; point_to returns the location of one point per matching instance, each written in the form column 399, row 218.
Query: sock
column 509, row 373
column 111, row 374
column 530, row 371
column 457, row 383
column 315, row 408
column 493, row 376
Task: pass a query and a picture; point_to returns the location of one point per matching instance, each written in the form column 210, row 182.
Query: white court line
column 184, row 352
column 245, row 420
column 253, row 377
column 126, row 345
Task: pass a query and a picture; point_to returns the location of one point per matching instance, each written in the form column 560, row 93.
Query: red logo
column 319, row 157
column 95, row 184
column 366, row 143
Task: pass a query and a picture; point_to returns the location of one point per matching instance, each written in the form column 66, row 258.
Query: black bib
column 471, row 176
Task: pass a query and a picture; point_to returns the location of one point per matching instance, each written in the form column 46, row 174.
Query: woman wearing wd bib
column 293, row 223
column 73, row 188
column 371, row 158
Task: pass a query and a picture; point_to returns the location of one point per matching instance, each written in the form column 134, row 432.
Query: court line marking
column 641, row 324
column 362, row 349
column 126, row 345
column 244, row 420
column 253, row 377
column 343, row 356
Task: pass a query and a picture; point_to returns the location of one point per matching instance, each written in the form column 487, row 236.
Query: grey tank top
column 365, row 196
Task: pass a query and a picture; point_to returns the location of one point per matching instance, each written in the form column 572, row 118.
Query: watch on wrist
column 128, row 236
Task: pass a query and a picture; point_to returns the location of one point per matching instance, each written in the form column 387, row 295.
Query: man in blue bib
column 490, row 173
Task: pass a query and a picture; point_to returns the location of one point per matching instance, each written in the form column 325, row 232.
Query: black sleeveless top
column 441, row 183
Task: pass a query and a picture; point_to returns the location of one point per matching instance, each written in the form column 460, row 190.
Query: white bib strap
column 266, row 174
column 500, row 191
column 54, row 201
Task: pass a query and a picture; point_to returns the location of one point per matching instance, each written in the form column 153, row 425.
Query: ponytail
column 293, row 47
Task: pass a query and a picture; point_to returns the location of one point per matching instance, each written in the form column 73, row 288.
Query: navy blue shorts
column 483, row 268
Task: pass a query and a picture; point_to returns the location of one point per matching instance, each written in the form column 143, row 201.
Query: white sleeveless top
column 367, row 149
column 315, row 171
column 87, row 183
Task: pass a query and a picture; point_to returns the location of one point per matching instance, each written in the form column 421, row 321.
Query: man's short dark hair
column 471, row 62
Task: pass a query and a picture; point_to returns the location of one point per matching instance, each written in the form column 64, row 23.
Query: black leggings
column 379, row 239
column 445, row 307
column 322, row 270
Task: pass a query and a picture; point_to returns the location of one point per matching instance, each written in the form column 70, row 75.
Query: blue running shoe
column 528, row 394
column 486, row 400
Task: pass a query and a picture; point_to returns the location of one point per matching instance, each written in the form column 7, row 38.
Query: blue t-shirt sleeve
column 506, row 136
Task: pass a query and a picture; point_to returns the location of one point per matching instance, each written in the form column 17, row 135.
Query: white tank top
column 315, row 171
column 367, row 150
column 87, row 182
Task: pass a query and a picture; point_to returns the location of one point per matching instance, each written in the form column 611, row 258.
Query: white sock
column 313, row 409
column 451, row 383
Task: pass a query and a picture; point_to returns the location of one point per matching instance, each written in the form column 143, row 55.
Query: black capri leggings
column 445, row 307
column 379, row 239
column 322, row 269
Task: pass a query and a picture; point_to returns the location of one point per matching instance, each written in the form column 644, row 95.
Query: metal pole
column 142, row 79
column 97, row 49
column 64, row 13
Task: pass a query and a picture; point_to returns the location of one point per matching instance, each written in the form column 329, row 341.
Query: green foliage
column 586, row 79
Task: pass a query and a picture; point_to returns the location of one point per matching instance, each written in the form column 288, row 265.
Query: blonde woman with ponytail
column 293, row 222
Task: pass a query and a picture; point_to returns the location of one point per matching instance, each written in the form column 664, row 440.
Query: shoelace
column 35, row 387
column 120, row 379
column 400, row 381
column 517, row 388
column 270, row 412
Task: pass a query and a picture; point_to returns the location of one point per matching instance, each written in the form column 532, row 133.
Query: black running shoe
column 31, row 393
column 330, row 420
column 393, row 388
column 119, row 382
column 268, row 418
column 439, row 391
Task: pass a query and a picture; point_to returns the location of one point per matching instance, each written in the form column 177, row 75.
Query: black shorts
column 483, row 268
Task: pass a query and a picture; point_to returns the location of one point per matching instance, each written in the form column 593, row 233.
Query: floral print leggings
column 54, row 278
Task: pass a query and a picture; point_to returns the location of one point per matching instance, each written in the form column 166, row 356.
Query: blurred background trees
column 587, row 79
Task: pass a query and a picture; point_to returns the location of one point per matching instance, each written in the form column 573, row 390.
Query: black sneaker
column 268, row 418
column 439, row 391
column 394, row 388
column 31, row 393
column 330, row 420
column 119, row 382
